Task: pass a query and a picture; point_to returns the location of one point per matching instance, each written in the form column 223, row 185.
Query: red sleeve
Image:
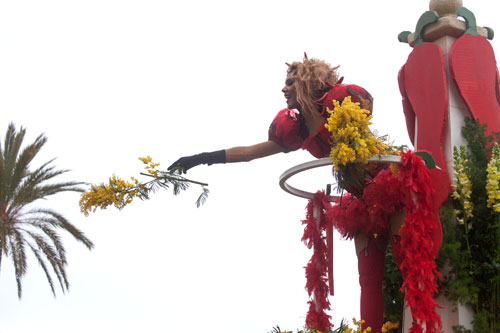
column 319, row 144
column 287, row 130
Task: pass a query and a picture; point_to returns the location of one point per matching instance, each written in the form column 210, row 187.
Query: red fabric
column 316, row 269
column 287, row 129
column 319, row 144
column 474, row 69
column 371, row 276
column 368, row 215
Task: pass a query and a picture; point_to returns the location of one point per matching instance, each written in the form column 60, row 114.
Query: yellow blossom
column 389, row 325
column 493, row 179
column 463, row 186
column 118, row 192
column 353, row 141
column 150, row 166
column 146, row 160
column 358, row 329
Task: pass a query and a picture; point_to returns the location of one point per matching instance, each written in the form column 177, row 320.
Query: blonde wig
column 310, row 80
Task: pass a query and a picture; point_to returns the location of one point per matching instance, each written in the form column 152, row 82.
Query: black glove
column 187, row 162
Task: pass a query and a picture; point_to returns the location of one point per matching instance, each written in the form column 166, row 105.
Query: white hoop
column 319, row 163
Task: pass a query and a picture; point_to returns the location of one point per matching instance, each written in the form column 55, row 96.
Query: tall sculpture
column 450, row 74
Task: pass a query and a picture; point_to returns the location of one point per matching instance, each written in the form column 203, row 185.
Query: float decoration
column 429, row 106
column 472, row 59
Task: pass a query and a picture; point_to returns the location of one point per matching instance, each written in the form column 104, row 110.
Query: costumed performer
column 310, row 88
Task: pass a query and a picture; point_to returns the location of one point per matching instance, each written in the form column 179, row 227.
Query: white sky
column 110, row 81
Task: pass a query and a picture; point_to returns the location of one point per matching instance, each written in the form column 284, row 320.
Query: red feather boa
column 418, row 266
column 316, row 269
column 386, row 194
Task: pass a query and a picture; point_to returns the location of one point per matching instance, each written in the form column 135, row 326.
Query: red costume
column 367, row 213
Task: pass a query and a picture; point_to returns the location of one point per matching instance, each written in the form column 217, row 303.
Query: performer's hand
column 185, row 163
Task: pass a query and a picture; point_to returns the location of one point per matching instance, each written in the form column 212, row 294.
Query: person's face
column 290, row 93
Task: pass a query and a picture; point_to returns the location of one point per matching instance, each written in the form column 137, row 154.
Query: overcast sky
column 110, row 81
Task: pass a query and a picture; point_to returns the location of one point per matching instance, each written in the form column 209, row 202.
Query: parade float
column 450, row 88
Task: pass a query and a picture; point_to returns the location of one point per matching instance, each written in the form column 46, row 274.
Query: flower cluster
column 493, row 180
column 389, row 325
column 463, row 186
column 359, row 329
column 150, row 166
column 119, row 192
column 348, row 124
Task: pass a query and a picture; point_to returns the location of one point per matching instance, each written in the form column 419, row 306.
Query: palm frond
column 42, row 264
column 12, row 144
column 23, row 160
column 56, row 240
column 4, row 232
column 19, row 257
column 33, row 187
column 46, row 215
column 52, row 256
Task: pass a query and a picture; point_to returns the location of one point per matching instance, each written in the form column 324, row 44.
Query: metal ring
column 319, row 163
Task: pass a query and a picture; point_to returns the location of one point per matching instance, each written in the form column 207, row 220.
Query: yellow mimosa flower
column 348, row 125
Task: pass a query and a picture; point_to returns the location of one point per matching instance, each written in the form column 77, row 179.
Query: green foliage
column 393, row 297
column 470, row 253
column 167, row 179
column 24, row 227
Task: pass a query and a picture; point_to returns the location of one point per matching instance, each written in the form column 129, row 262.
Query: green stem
column 466, row 225
column 176, row 178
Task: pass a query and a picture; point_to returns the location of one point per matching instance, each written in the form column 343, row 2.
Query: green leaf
column 428, row 159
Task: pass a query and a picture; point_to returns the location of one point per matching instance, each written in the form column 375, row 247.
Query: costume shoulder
column 288, row 129
column 339, row 91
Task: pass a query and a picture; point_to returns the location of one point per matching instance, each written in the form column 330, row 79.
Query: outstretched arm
column 231, row 155
column 248, row 153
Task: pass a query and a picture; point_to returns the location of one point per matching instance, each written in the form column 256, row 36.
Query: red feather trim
column 314, row 237
column 384, row 195
column 418, row 266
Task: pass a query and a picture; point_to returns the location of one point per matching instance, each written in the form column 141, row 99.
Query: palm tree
column 24, row 227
